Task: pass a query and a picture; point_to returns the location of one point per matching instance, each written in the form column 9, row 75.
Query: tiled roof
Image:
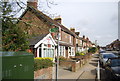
column 35, row 40
column 47, row 19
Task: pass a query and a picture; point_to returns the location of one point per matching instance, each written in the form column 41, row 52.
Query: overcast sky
column 96, row 19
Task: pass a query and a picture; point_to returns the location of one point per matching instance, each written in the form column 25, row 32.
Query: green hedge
column 40, row 63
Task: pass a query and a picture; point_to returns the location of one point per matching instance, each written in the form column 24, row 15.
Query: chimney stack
column 77, row 33
column 58, row 20
column 83, row 36
column 72, row 29
column 32, row 3
column 87, row 38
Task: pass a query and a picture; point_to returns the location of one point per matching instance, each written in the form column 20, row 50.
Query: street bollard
column 98, row 71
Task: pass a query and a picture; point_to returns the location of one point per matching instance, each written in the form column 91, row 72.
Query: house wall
column 69, row 51
column 74, row 43
column 33, row 25
column 66, row 37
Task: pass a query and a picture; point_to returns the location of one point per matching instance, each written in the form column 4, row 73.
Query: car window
column 115, row 62
column 108, row 55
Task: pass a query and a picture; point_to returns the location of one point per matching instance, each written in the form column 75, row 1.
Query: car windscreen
column 108, row 55
column 115, row 62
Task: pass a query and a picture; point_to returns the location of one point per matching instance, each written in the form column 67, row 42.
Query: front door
column 66, row 54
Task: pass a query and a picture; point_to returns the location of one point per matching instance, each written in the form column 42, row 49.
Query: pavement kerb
column 81, row 72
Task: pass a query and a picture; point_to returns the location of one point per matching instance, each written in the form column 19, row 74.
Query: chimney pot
column 84, row 36
column 32, row 3
column 72, row 29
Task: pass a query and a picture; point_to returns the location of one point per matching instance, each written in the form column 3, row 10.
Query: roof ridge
column 50, row 21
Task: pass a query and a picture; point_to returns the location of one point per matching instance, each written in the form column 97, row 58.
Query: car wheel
column 100, row 63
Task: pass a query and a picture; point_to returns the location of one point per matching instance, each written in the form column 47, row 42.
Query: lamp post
column 57, row 64
column 57, row 59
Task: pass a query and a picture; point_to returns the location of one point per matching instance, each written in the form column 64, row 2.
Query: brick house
column 82, row 43
column 35, row 23
column 79, row 46
column 115, row 45
column 86, row 43
column 67, row 40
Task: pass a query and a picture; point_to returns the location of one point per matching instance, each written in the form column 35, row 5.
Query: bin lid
column 19, row 53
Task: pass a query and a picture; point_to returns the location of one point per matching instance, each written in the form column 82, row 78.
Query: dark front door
column 66, row 52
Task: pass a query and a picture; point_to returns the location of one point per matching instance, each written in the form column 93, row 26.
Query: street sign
column 54, row 29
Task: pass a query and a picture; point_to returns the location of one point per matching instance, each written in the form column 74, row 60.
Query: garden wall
column 71, row 65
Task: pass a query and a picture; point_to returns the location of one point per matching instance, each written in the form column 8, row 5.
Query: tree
column 92, row 50
column 13, row 38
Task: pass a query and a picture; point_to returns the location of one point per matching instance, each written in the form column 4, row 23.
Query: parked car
column 117, row 49
column 108, row 49
column 102, row 51
column 104, row 57
column 112, row 68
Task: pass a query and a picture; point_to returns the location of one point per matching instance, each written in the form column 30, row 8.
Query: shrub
column 44, row 58
column 77, row 54
column 80, row 53
column 40, row 63
column 92, row 50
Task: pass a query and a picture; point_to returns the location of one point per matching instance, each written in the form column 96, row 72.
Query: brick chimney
column 87, row 38
column 58, row 20
column 72, row 29
column 32, row 3
column 77, row 33
column 83, row 36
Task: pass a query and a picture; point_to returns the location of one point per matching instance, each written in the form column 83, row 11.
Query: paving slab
column 87, row 71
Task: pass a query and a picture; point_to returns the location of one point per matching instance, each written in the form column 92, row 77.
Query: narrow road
column 87, row 71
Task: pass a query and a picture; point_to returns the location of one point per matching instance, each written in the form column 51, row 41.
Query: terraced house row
column 42, row 42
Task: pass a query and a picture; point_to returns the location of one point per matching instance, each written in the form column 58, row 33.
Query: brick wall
column 66, row 37
column 35, row 26
column 71, row 65
column 79, row 42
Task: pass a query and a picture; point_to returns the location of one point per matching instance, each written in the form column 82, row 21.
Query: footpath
column 86, row 72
